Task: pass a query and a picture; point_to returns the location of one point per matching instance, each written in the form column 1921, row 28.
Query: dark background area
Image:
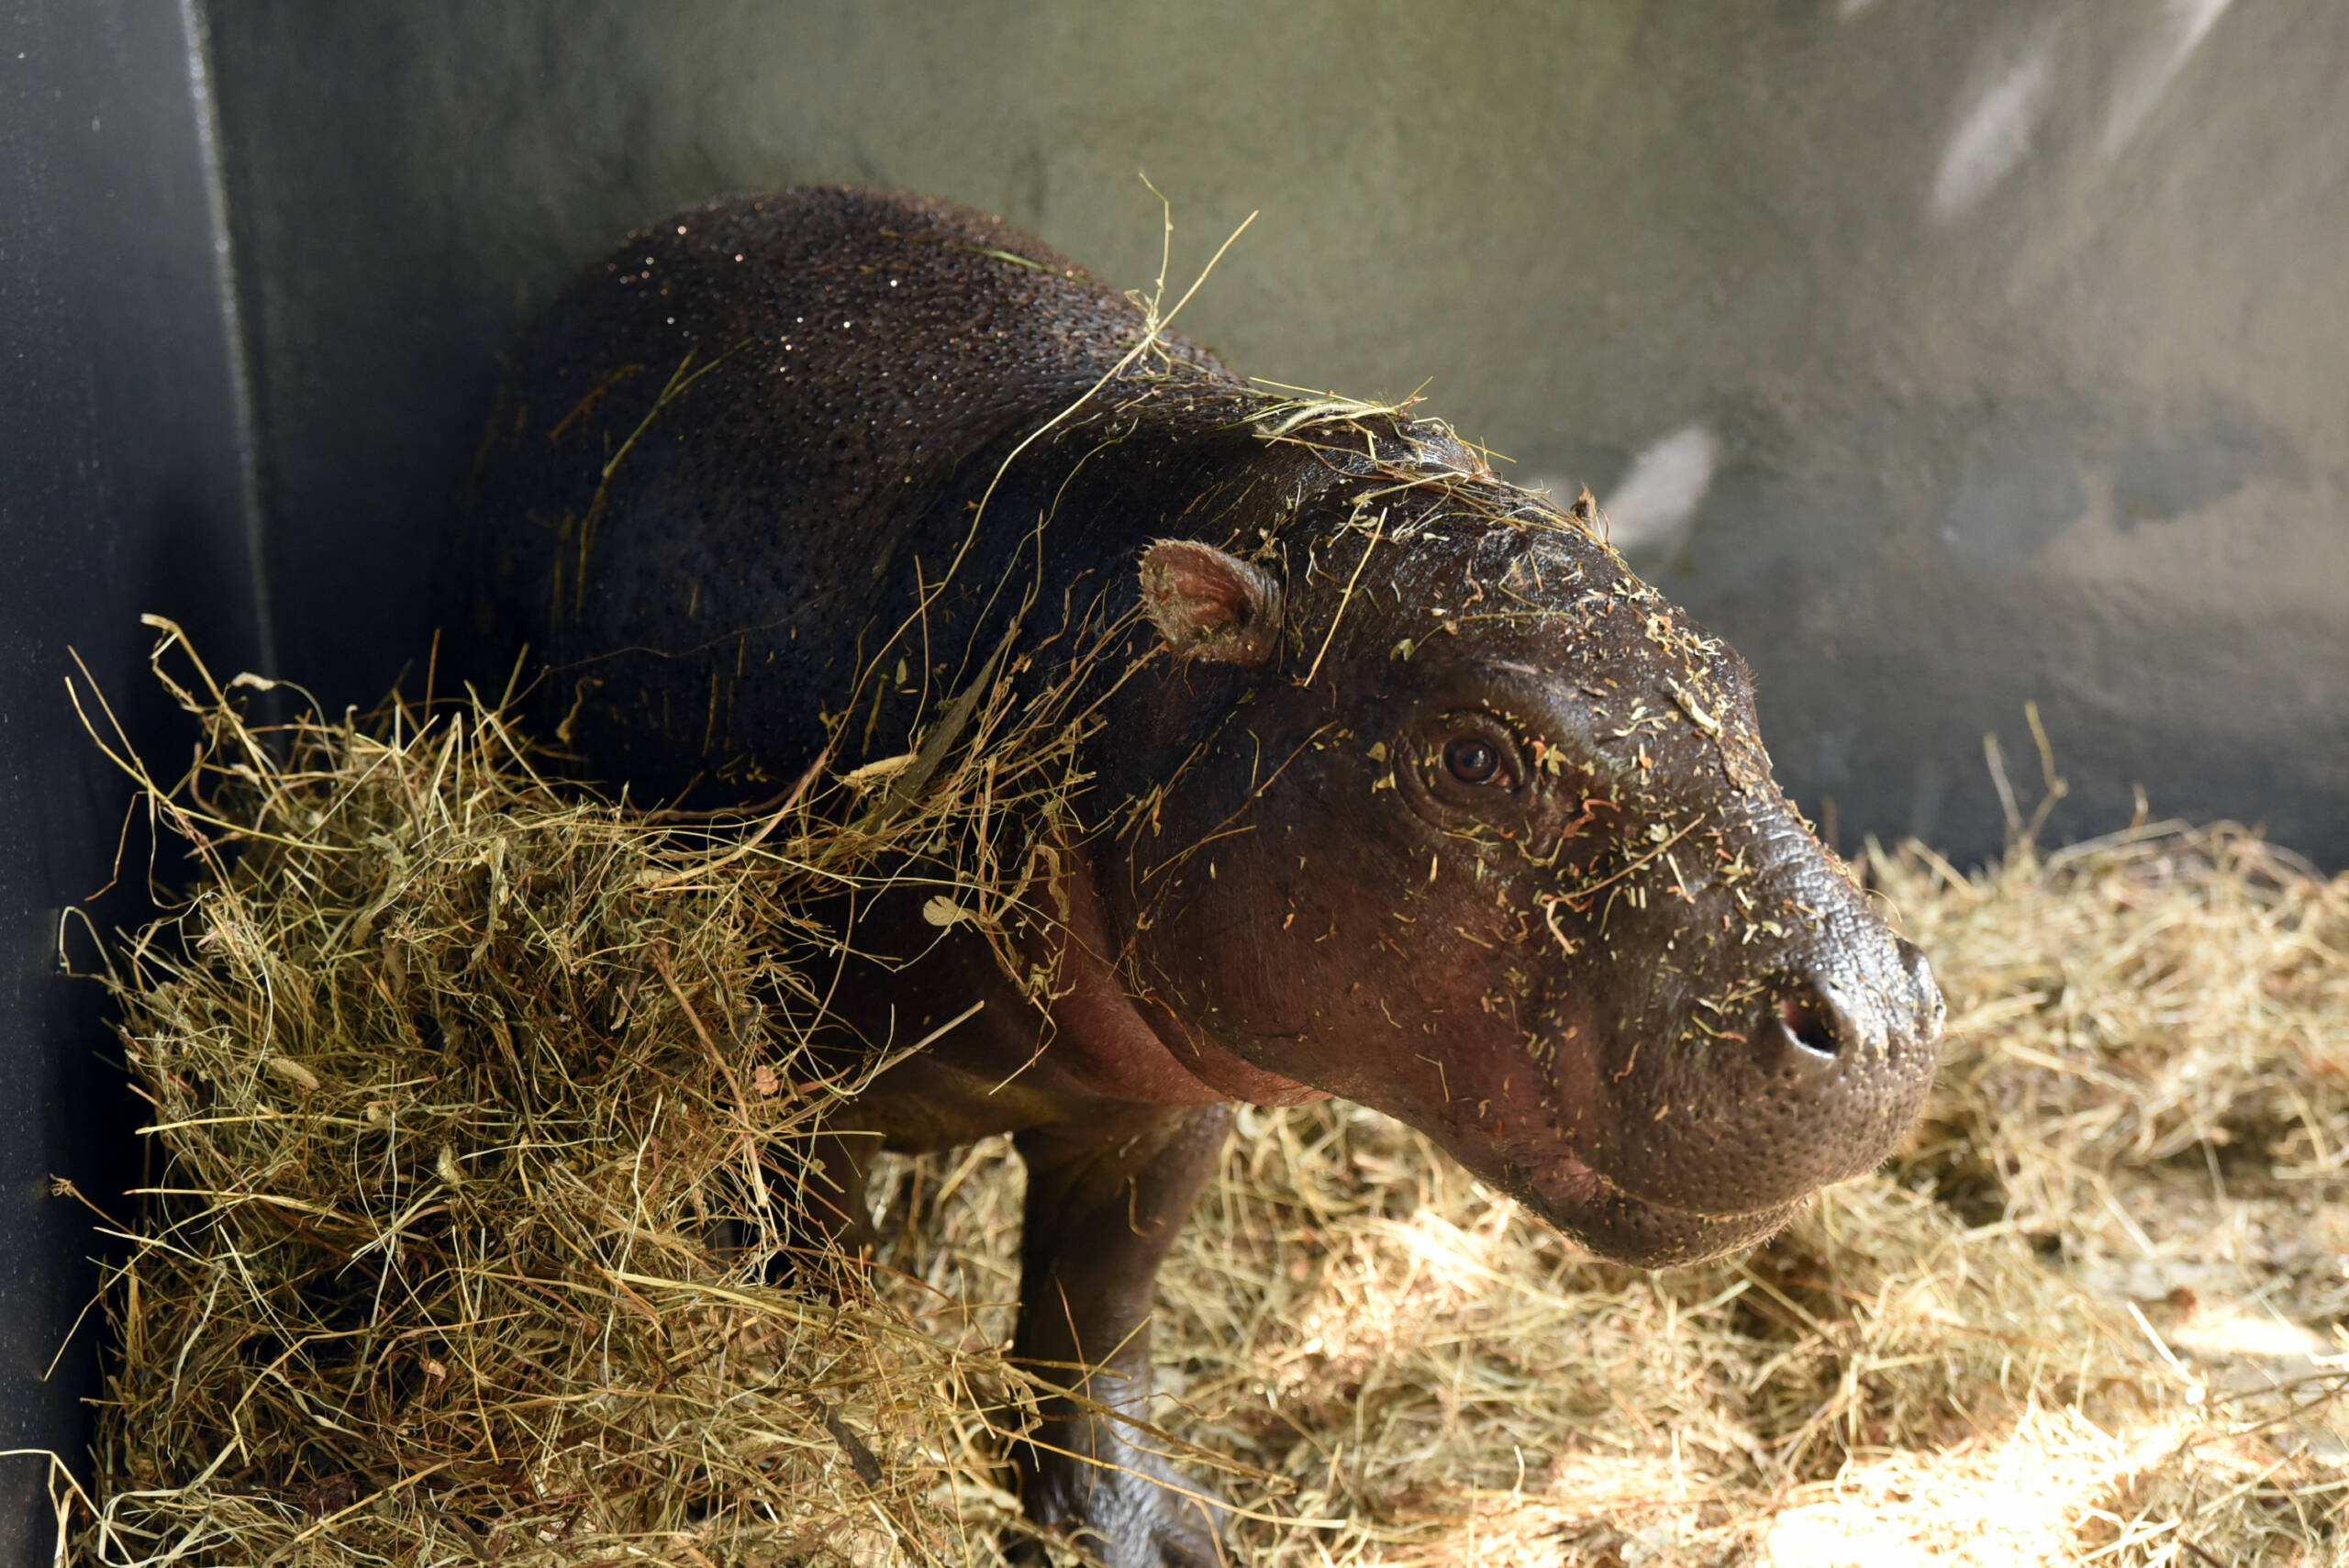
column 122, row 490
column 1943, row 356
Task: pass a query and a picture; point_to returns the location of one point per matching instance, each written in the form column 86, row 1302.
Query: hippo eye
column 1474, row 765
column 1472, row 759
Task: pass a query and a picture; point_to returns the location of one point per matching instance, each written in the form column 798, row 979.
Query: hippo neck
column 1101, row 1037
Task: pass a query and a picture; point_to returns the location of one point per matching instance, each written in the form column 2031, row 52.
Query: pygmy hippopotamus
column 1389, row 780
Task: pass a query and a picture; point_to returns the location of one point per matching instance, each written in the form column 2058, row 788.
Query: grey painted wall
column 121, row 490
column 1945, row 354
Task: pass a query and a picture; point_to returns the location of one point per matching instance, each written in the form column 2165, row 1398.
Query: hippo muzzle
column 1721, row 1101
column 1793, row 1056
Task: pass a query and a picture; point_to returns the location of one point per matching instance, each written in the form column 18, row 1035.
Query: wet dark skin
column 1405, row 788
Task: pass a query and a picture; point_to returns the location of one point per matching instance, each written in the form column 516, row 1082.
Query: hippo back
column 716, row 454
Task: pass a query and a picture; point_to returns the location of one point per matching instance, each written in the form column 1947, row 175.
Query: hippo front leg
column 1105, row 1199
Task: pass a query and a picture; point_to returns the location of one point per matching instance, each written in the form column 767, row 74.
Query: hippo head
column 1462, row 821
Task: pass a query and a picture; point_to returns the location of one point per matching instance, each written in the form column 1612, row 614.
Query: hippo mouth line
column 1592, row 1208
column 1584, row 1183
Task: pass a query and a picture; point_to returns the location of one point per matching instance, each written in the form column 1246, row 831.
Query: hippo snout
column 1800, row 1071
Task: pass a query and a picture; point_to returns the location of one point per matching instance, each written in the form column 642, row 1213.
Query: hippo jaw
column 1785, row 1040
column 1619, row 1124
column 1653, row 1143
column 1571, row 1197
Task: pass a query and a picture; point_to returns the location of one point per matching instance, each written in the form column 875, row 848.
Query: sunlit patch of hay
column 2020, row 1497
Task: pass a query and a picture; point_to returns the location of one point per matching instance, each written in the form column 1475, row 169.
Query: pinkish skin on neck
column 1102, row 1039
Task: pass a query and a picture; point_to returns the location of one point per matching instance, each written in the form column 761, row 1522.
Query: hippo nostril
column 1811, row 1021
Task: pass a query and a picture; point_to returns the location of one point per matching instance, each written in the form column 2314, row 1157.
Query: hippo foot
column 1118, row 1506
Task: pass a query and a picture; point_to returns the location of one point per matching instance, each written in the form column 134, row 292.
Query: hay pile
column 473, row 1106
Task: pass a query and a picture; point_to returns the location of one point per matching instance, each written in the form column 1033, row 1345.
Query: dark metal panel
column 122, row 490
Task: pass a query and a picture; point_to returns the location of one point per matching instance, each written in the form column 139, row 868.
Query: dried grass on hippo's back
column 2086, row 1318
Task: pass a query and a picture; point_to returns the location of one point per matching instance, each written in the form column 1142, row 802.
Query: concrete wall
column 1945, row 354
column 122, row 490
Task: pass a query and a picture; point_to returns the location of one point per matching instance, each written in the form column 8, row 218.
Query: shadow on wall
column 1992, row 485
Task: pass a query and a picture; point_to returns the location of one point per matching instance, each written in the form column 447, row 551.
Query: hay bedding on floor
column 469, row 1096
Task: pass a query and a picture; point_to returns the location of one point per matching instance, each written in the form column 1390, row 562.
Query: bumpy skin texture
column 1408, row 790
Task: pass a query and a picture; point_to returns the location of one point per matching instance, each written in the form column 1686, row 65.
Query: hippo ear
column 1211, row 606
